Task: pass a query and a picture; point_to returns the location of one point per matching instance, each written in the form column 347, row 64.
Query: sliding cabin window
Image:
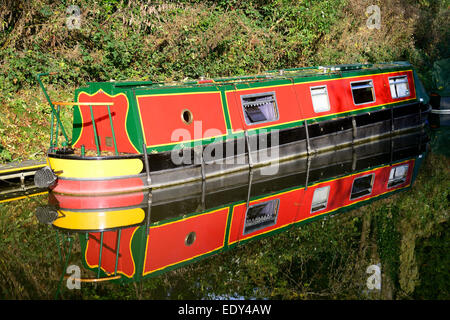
column 320, row 100
column 397, row 176
column 399, row 87
column 259, row 107
column 362, row 186
column 320, row 199
column 261, row 215
column 363, row 92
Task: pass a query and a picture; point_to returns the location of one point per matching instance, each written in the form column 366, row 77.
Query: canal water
column 242, row 237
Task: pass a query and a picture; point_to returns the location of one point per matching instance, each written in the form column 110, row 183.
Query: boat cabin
column 162, row 116
column 171, row 133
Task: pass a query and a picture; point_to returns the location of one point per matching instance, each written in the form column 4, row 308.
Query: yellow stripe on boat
column 98, row 220
column 76, row 168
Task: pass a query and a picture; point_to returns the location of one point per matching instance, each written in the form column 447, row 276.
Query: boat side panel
column 125, row 265
column 159, row 114
column 295, row 205
column 340, row 94
column 168, row 244
column 84, row 130
column 288, row 207
column 287, row 104
column 162, row 117
column 340, row 190
column 295, row 103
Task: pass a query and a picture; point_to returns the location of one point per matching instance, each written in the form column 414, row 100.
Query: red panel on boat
column 125, row 263
column 185, row 239
column 340, row 93
column 119, row 111
column 93, row 187
column 99, row 202
column 280, row 210
column 340, row 190
column 178, row 117
column 286, row 100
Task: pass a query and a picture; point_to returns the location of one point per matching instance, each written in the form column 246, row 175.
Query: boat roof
column 280, row 74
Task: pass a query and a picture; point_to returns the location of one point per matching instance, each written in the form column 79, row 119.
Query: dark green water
column 440, row 140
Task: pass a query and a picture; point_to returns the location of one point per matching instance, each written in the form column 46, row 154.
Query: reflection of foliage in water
column 326, row 259
column 434, row 265
column 440, row 140
column 27, row 258
column 423, row 212
column 388, row 239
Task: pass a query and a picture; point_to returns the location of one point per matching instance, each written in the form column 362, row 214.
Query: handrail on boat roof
column 285, row 74
column 278, row 74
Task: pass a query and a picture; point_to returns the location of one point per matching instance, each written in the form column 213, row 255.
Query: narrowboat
column 140, row 135
column 133, row 236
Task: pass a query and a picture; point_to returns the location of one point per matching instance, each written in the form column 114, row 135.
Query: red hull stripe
column 98, row 187
column 100, row 202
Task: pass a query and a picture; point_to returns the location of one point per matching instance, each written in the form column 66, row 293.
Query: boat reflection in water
column 132, row 236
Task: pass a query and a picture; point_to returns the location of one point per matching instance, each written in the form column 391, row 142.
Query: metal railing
column 56, row 109
column 65, row 253
column 55, row 112
column 94, row 126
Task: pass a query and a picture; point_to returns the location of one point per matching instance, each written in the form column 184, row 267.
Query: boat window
column 261, row 215
column 363, row 92
column 399, row 87
column 320, row 100
column 362, row 186
column 320, row 199
column 259, row 107
column 397, row 175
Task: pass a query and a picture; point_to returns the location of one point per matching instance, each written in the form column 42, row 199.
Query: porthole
column 186, row 116
column 190, row 238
